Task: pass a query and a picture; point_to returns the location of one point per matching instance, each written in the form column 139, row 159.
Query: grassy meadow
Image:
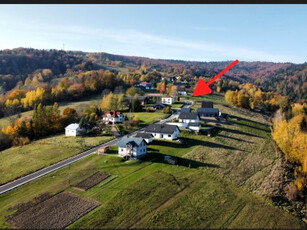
column 214, row 184
column 18, row 161
column 148, row 118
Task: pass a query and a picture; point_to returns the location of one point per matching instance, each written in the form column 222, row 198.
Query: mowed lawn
column 18, row 161
column 147, row 118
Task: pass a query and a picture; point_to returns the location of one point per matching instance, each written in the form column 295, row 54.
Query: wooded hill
column 17, row 64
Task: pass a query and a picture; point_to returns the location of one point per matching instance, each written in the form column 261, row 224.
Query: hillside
column 218, row 183
column 291, row 81
column 18, row 64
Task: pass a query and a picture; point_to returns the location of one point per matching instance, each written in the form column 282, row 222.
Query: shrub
column 291, row 191
column 167, row 110
column 21, row 141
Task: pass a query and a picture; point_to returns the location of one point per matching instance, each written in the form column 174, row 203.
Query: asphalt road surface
column 30, row 177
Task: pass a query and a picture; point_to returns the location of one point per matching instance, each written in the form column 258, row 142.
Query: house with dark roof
column 133, row 147
column 113, row 117
column 158, row 106
column 207, row 104
column 188, row 117
column 163, row 131
column 208, row 112
column 146, row 136
column 185, row 110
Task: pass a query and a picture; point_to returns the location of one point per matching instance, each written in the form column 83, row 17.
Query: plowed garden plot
column 57, row 212
column 91, row 181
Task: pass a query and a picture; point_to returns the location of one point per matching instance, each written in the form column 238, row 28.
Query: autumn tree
column 132, row 91
column 136, row 105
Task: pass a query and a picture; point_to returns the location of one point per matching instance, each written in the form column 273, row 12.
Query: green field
column 152, row 194
column 214, row 185
column 18, row 161
column 148, row 118
column 177, row 105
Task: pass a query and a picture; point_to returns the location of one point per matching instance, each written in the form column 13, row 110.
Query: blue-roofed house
column 135, row 147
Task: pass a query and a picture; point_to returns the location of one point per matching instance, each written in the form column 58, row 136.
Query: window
column 162, row 135
column 122, row 150
column 169, row 135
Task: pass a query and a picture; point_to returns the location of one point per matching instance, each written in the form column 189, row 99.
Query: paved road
column 30, row 177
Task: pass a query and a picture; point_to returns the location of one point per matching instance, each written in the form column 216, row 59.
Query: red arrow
column 203, row 88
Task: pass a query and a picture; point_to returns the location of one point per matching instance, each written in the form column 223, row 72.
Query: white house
column 113, row 116
column 163, row 131
column 72, row 130
column 133, row 147
column 195, row 126
column 188, row 117
column 146, row 136
column 167, row 100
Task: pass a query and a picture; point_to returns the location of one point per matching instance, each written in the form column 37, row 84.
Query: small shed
column 103, row 150
column 72, row 130
column 170, row 160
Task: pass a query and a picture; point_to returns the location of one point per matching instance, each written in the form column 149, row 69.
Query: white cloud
column 132, row 42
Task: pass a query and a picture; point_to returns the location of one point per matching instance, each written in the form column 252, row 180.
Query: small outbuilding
column 170, row 160
column 103, row 150
column 73, row 130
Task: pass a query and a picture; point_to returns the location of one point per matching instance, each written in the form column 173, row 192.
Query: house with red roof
column 113, row 117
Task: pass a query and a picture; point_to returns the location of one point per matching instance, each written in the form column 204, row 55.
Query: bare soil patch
column 91, row 181
column 59, row 211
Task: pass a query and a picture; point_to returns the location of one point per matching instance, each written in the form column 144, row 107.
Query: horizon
column 163, row 59
column 196, row 33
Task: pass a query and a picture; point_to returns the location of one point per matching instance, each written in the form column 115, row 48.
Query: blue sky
column 275, row 33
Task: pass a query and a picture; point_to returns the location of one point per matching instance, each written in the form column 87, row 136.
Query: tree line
column 46, row 120
column 290, row 134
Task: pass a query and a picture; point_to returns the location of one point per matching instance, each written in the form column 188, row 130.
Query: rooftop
column 143, row 135
column 194, row 124
column 185, row 110
column 73, row 126
column 113, row 113
column 207, row 104
column 207, row 110
column 134, row 141
column 184, row 115
column 161, row 128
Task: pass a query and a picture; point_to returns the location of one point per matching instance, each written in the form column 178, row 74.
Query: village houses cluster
column 135, row 146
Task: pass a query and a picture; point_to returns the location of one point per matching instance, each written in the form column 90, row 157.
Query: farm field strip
column 56, row 212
